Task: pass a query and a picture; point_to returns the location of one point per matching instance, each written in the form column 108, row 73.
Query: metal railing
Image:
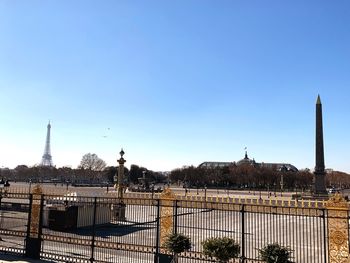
column 87, row 229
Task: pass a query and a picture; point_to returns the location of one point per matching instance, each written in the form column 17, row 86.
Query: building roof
column 247, row 161
column 214, row 164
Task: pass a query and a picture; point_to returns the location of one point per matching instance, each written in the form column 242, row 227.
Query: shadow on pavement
column 20, row 259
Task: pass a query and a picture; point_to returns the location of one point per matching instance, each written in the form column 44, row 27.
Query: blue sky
column 174, row 82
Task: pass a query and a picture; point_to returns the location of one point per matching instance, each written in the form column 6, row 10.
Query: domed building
column 247, row 161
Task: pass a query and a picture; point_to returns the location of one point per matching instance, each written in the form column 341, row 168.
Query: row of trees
column 23, row 173
column 248, row 176
column 92, row 170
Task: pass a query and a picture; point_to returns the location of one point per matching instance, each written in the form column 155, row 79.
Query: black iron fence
column 14, row 216
column 93, row 229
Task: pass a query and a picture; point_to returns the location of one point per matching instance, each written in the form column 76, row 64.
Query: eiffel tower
column 47, row 158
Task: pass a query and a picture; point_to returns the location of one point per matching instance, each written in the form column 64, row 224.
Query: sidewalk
column 4, row 258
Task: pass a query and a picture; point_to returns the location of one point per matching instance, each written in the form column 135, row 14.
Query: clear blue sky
column 174, row 82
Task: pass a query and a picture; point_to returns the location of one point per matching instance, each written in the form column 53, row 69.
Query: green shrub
column 221, row 248
column 275, row 253
column 177, row 243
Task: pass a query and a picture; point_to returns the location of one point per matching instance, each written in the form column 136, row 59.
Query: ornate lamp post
column 2, row 184
column 281, row 182
column 119, row 185
column 260, row 191
column 30, row 186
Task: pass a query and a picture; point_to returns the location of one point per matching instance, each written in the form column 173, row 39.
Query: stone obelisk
column 319, row 173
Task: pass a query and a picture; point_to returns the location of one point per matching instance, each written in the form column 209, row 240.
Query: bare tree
column 91, row 161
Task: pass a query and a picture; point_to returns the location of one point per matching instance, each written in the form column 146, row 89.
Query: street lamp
column 120, row 186
column 30, row 185
column 152, row 190
column 3, row 190
column 2, row 185
column 281, row 183
column 260, row 192
column 119, row 180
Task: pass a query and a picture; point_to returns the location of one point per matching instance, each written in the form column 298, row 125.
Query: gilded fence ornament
column 167, row 198
column 338, row 236
column 35, row 213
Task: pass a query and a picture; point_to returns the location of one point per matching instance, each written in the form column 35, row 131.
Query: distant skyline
column 174, row 82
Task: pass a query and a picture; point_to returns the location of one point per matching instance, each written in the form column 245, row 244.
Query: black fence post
column 33, row 239
column 41, row 215
column 93, row 231
column 156, row 254
column 175, row 218
column 29, row 216
column 1, row 209
column 324, row 236
column 243, row 233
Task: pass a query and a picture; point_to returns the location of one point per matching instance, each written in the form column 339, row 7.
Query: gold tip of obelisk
column 318, row 100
